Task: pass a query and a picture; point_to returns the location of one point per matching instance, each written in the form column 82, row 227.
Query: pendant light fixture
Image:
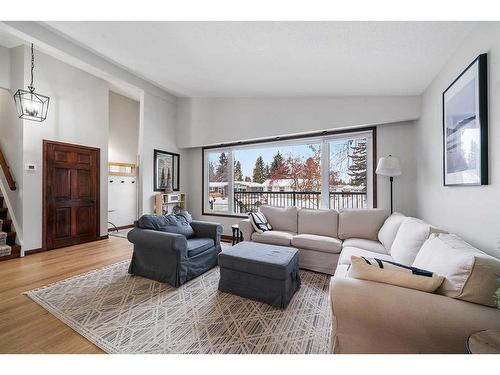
column 29, row 104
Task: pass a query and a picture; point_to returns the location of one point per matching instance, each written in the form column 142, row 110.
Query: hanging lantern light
column 29, row 104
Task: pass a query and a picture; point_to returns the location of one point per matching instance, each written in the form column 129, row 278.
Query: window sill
column 221, row 214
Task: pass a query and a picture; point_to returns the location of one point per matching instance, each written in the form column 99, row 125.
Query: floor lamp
column 389, row 166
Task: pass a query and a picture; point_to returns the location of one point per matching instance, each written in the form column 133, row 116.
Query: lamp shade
column 388, row 166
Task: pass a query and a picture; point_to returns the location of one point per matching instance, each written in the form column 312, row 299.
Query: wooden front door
column 70, row 194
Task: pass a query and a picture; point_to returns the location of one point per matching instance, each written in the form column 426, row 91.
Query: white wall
column 157, row 131
column 471, row 212
column 78, row 113
column 123, row 148
column 396, row 139
column 209, row 121
column 4, row 68
column 122, row 200
column 11, row 136
column 123, row 128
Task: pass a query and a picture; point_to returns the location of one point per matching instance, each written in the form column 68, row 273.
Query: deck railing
column 250, row 201
column 340, row 200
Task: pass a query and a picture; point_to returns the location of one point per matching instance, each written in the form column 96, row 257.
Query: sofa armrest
column 246, row 229
column 159, row 241
column 371, row 317
column 207, row 229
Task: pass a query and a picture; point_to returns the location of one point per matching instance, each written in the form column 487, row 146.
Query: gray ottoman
column 261, row 272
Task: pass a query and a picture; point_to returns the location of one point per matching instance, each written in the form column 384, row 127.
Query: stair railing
column 6, row 172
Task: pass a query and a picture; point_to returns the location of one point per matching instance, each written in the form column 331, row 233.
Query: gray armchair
column 174, row 258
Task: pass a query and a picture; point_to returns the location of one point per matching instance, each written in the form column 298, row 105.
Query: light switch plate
column 30, row 167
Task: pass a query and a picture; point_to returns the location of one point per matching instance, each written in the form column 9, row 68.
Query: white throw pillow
column 410, row 237
column 470, row 274
column 387, row 233
column 259, row 222
column 388, row 272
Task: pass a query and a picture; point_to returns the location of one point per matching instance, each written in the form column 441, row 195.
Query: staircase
column 8, row 247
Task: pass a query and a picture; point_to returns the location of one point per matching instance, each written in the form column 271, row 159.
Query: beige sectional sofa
column 318, row 234
column 373, row 317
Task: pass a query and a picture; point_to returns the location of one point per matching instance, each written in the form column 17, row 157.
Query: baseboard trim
column 122, row 227
column 102, row 238
column 34, row 251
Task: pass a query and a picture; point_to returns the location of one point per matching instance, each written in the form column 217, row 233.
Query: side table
column 237, row 236
column 484, row 342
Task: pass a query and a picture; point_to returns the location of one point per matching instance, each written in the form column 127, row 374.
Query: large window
column 328, row 171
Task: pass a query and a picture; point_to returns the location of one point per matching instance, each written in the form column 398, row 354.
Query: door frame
column 45, row 144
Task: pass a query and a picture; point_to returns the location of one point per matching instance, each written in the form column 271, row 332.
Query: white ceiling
column 8, row 40
column 232, row 59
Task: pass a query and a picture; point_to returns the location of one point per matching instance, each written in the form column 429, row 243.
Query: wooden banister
column 6, row 172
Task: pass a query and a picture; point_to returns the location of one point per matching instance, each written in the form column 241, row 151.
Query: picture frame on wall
column 166, row 171
column 465, row 127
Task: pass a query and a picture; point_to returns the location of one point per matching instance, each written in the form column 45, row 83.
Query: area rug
column 121, row 313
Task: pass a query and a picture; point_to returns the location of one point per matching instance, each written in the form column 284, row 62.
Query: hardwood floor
column 25, row 327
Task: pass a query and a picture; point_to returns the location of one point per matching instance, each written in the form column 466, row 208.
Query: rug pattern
column 121, row 313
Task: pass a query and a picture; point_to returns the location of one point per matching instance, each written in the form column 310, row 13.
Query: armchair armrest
column 372, row 317
column 246, row 229
column 206, row 229
column 158, row 241
column 160, row 256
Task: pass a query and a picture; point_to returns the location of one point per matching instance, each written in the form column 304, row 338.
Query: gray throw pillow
column 186, row 215
column 178, row 224
column 152, row 222
column 169, row 223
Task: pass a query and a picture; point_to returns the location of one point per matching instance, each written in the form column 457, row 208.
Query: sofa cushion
column 274, row 237
column 382, row 271
column 361, row 223
column 197, row 246
column 470, row 274
column 320, row 222
column 347, row 252
column 361, row 243
column 411, row 235
column 284, row 219
column 319, row 243
column 387, row 233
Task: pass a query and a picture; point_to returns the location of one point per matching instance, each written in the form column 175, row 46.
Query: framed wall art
column 166, row 171
column 465, row 127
